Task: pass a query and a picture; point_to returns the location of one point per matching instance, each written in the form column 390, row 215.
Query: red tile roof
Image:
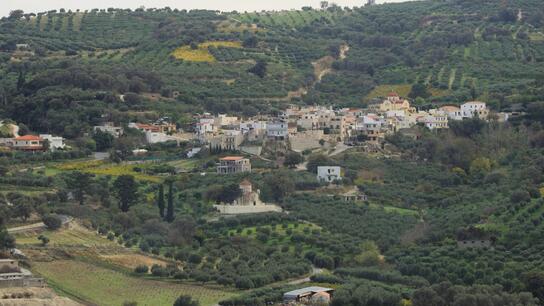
column 392, row 94
column 29, row 138
column 148, row 127
column 232, row 158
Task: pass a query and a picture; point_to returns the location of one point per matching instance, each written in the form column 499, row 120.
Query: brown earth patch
column 131, row 261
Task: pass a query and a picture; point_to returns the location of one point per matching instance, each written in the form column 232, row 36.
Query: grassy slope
column 100, row 271
column 108, row 287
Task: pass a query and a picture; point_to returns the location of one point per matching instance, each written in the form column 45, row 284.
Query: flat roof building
column 329, row 174
column 312, row 294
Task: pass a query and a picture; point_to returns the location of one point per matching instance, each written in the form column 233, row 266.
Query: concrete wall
column 306, row 140
column 242, row 209
column 253, row 150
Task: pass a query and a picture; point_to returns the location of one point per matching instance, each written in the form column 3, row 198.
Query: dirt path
column 315, row 271
column 322, row 67
column 37, row 226
column 343, row 51
column 340, row 147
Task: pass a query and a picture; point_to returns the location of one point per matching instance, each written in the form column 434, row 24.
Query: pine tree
column 160, row 200
column 170, row 210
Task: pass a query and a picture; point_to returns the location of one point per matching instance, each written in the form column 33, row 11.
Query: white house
column 252, row 124
column 453, row 112
column 205, row 125
column 157, row 137
column 22, row 46
column 395, row 113
column 435, row 120
column 253, row 130
column 55, row 142
column 308, row 121
column 371, row 125
column 224, row 120
column 109, row 128
column 473, row 109
column 193, row 152
column 329, row 173
column 226, row 140
column 277, row 129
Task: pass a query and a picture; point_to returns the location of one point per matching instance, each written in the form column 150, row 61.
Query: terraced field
column 103, row 286
column 76, row 235
column 100, row 270
column 383, row 90
column 291, row 19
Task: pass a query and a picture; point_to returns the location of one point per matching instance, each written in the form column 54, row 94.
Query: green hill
column 453, row 217
column 461, row 50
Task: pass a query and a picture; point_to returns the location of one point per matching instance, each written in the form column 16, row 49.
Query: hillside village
column 237, row 141
column 307, row 126
column 381, row 155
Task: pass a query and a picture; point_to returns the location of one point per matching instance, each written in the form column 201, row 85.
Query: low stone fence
column 22, row 282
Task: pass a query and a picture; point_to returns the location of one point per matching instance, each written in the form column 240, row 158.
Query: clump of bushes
column 53, row 222
column 141, row 269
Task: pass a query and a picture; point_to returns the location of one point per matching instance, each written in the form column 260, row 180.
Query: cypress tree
column 21, row 80
column 170, row 210
column 160, row 200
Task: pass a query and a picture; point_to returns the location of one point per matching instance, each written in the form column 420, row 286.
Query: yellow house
column 395, row 103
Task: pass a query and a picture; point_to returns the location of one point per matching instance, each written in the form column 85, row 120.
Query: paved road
column 37, row 226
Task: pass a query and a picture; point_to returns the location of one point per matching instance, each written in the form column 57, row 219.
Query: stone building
column 233, row 164
column 249, row 197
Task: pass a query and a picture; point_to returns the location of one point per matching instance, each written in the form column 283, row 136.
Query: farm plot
column 99, row 167
column 290, row 19
column 102, row 286
column 85, row 244
column 278, row 229
column 75, row 235
column 201, row 53
column 383, row 90
column 536, row 36
column 131, row 261
column 93, row 275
